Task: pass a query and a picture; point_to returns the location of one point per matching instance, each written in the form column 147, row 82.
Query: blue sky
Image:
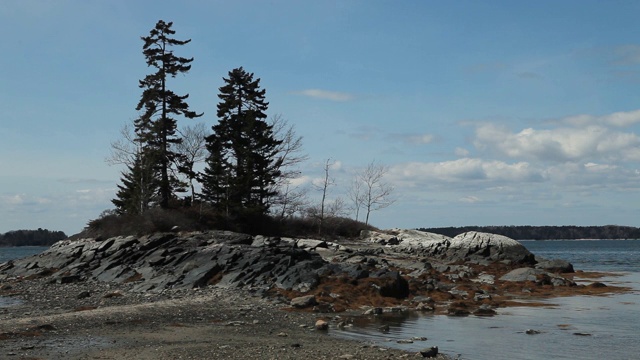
column 485, row 112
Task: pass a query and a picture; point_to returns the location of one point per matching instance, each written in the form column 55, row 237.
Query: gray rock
column 555, row 266
column 304, row 301
column 476, row 245
column 430, row 352
column 522, row 274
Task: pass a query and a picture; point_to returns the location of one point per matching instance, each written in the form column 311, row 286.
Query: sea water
column 10, row 253
column 577, row 327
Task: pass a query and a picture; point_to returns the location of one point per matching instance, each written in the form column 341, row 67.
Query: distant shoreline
column 528, row 232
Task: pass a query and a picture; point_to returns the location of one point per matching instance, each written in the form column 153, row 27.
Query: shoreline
column 96, row 320
column 204, row 324
column 232, row 296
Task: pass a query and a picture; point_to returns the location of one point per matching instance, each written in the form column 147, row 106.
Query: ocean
column 578, row 327
column 9, row 253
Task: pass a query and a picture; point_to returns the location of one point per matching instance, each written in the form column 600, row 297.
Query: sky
column 483, row 112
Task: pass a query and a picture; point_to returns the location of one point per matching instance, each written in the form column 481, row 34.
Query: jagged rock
column 393, row 284
column 409, row 241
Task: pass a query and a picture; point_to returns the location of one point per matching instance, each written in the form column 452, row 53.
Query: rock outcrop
column 467, row 247
column 380, row 269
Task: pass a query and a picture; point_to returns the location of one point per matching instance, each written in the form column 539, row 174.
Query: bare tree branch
column 376, row 193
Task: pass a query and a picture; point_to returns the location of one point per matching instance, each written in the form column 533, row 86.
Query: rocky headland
column 280, row 296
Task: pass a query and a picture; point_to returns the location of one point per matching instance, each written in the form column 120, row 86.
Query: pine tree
column 156, row 127
column 242, row 166
column 135, row 194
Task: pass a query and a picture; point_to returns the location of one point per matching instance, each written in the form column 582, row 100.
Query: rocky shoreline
column 229, row 296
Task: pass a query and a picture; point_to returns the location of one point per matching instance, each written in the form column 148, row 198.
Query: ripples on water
column 609, row 324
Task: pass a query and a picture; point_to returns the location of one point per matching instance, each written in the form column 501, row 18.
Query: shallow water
column 10, row 253
column 579, row 327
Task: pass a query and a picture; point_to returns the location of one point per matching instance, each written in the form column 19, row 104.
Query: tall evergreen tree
column 242, row 166
column 135, row 194
column 156, row 126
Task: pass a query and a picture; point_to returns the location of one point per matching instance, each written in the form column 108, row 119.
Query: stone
column 373, row 311
column 304, row 301
column 393, row 285
column 322, row 325
column 484, row 310
column 555, row 266
column 83, row 295
column 430, row 352
column 477, row 245
column 522, row 274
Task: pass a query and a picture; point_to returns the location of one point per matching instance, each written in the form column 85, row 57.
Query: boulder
column 555, row 266
column 409, row 241
column 304, row 301
column 522, row 274
column 322, row 325
column 393, row 284
column 484, row 246
column 430, row 352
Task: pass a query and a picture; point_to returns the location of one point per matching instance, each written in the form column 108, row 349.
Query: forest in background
column 40, row 237
column 608, row 232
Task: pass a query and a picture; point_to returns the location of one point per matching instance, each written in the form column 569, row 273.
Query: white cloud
column 617, row 119
column 420, row 139
column 299, row 181
column 464, row 170
column 335, row 165
column 470, row 199
column 461, row 152
column 326, row 95
column 17, row 199
column 590, row 143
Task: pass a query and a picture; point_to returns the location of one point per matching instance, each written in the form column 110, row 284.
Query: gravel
column 96, row 320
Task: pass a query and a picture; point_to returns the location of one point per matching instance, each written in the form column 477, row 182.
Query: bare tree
column 192, row 150
column 290, row 198
column 124, row 150
column 323, row 187
column 376, row 193
column 356, row 195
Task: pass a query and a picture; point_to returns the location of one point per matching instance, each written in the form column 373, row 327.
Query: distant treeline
column 608, row 232
column 40, row 237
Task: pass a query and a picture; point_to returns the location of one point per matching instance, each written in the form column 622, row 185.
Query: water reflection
column 581, row 327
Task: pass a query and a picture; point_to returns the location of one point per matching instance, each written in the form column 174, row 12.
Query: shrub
column 200, row 217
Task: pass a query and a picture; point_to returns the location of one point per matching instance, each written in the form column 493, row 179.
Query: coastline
column 82, row 300
column 207, row 323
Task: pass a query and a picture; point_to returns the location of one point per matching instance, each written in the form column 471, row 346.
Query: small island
column 135, row 290
column 40, row 237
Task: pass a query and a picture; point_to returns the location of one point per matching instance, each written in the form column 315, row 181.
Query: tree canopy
column 156, row 126
column 242, row 165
